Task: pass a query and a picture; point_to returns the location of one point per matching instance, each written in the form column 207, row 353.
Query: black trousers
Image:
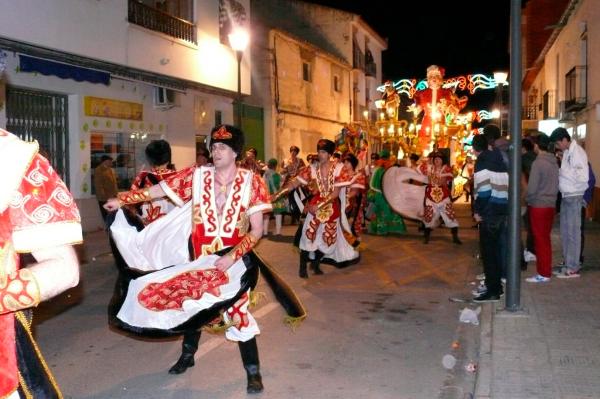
column 490, row 231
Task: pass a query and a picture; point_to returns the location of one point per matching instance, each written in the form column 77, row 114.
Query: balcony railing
column 371, row 69
column 358, row 58
column 549, row 110
column 530, row 112
column 576, row 89
column 159, row 21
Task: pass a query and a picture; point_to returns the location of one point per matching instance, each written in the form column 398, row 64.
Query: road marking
column 215, row 342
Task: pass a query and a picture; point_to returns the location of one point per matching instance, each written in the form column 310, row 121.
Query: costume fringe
column 255, row 297
column 285, row 295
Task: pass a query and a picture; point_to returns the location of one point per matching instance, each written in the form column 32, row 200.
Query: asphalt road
column 378, row 329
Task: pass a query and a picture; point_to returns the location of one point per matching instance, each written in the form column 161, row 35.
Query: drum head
column 403, row 191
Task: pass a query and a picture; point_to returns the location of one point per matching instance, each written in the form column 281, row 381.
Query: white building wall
column 566, row 53
column 100, row 30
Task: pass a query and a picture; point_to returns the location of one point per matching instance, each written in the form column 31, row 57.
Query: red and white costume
column 164, row 243
column 36, row 212
column 158, row 207
column 323, row 231
column 437, row 196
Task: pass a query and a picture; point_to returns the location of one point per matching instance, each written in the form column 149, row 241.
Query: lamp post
column 238, row 39
column 500, row 79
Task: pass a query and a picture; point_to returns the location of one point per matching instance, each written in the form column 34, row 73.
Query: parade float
column 434, row 120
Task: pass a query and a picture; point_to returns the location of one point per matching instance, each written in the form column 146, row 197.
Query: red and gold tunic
column 157, row 208
column 438, row 188
column 36, row 212
column 321, row 188
column 213, row 231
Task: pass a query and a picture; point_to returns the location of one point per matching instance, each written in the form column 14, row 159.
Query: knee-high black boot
column 188, row 349
column 303, row 261
column 249, row 352
column 315, row 264
column 426, row 235
column 455, row 238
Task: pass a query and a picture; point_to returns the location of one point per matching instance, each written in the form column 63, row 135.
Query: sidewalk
column 550, row 349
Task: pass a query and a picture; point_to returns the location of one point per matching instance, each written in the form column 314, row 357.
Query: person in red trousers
column 542, row 190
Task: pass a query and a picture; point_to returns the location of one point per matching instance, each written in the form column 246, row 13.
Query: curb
column 483, row 380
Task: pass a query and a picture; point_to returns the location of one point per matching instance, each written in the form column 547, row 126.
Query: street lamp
column 238, row 39
column 500, row 79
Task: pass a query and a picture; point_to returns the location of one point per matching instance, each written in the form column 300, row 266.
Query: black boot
column 455, row 238
column 188, row 349
column 426, row 235
column 303, row 261
column 315, row 264
column 249, row 352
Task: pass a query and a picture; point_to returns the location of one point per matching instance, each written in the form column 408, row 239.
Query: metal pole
column 238, row 100
column 513, row 291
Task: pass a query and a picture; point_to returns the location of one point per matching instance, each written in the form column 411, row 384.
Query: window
column 337, row 83
column 126, row 150
column 218, row 117
column 306, row 72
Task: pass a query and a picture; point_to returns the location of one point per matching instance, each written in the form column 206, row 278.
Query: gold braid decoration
column 134, row 196
column 244, row 246
column 19, row 291
column 279, row 194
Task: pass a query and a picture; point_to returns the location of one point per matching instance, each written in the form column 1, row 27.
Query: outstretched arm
column 57, row 270
column 134, row 197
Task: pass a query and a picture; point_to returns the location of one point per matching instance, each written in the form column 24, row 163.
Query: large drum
column 404, row 190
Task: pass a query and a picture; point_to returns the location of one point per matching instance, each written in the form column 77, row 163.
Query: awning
column 63, row 71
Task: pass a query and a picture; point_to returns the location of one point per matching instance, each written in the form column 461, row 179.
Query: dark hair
column 543, row 142
column 337, row 155
column 374, row 156
column 414, row 157
column 480, row 143
column 252, row 150
column 158, row 152
column 106, row 158
column 492, row 133
column 560, row 133
column 527, row 143
column 295, row 149
column 352, row 159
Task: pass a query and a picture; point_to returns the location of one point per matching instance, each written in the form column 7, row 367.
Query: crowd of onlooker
column 556, row 178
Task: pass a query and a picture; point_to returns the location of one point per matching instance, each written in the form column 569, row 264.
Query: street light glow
column 239, row 39
column 500, row 77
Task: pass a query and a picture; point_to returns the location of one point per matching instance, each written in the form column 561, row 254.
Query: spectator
column 573, row 180
column 528, row 155
column 105, row 183
column 273, row 181
column 587, row 200
column 491, row 211
column 542, row 190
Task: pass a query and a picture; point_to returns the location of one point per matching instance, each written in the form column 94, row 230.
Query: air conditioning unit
column 164, row 98
column 563, row 115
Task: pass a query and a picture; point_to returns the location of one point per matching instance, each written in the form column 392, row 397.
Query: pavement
column 548, row 349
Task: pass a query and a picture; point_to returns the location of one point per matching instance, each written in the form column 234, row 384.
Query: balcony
column 549, row 110
column 371, row 69
column 576, row 89
column 159, row 21
column 530, row 112
column 358, row 58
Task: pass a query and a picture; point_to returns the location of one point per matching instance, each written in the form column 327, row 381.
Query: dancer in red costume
column 227, row 204
column 37, row 215
column 437, row 197
column 158, row 154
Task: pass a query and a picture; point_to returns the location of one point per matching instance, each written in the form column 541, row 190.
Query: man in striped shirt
column 491, row 211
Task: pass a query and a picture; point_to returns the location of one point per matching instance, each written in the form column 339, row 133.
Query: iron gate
column 42, row 116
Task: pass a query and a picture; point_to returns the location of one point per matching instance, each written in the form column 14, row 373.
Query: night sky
column 461, row 36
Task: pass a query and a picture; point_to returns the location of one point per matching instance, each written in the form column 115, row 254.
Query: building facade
column 89, row 78
column 315, row 70
column 559, row 87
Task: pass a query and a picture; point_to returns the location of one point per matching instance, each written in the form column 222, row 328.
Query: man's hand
column 312, row 208
column 112, row 204
column 477, row 218
column 224, row 263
